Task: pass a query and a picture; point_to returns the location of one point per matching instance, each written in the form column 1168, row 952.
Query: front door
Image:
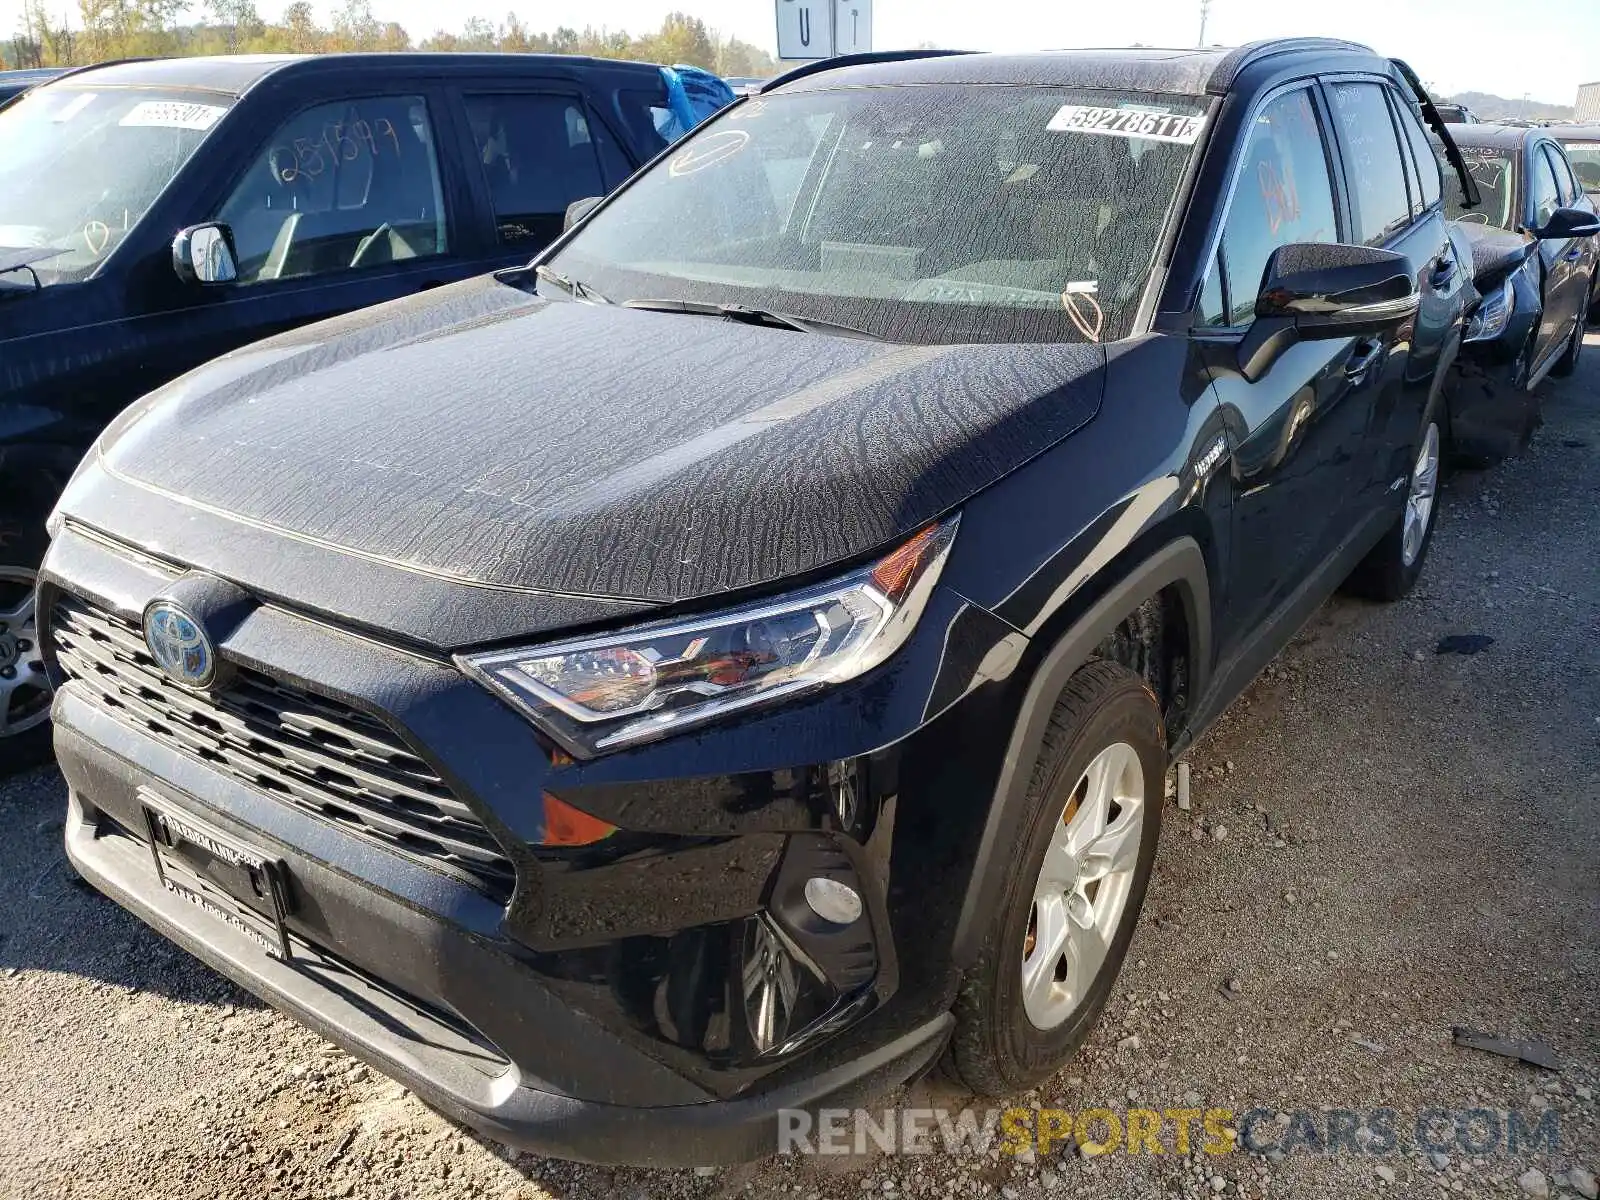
column 1295, row 431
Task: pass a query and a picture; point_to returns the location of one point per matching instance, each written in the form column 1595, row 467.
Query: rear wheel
column 1392, row 568
column 1079, row 873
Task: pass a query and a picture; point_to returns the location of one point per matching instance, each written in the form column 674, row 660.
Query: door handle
column 1363, row 355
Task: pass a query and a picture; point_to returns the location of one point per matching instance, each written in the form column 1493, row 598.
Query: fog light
column 833, row 901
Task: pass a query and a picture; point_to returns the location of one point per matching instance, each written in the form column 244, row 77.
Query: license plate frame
column 227, row 879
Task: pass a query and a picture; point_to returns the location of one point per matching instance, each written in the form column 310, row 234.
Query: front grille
column 310, row 751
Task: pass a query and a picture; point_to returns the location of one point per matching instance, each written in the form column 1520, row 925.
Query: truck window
column 354, row 183
column 538, row 155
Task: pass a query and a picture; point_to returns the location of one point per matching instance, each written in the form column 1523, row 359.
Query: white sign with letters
column 805, row 29
column 852, row 26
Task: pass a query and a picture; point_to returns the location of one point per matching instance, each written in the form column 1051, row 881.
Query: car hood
column 1494, row 251
column 485, row 438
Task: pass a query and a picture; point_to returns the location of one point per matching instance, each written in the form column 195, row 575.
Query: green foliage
column 104, row 29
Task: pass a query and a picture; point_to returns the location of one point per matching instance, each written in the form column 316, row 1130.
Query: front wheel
column 24, row 687
column 1078, row 875
column 1568, row 362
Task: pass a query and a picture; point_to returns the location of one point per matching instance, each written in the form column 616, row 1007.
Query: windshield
column 81, row 166
column 927, row 214
column 1491, row 170
column 1585, row 159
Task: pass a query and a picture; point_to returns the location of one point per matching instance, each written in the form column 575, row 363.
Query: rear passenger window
column 1428, row 169
column 1373, row 166
column 349, row 184
column 538, row 156
column 646, row 114
column 1282, row 194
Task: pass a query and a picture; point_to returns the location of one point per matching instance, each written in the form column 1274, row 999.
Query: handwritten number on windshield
column 339, row 143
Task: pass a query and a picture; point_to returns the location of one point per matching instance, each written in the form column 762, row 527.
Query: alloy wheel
column 1083, row 886
column 24, row 688
column 1419, row 500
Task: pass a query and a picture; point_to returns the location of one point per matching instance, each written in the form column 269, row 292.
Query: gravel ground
column 1411, row 843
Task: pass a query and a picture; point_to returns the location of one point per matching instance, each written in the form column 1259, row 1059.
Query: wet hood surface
column 497, row 440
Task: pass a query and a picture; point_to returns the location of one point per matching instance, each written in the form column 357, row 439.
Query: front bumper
column 441, row 1059
column 594, row 1013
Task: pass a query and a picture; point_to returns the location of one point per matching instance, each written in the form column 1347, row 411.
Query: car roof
column 25, row 75
column 1493, row 137
column 1574, row 133
column 1197, row 72
column 236, row 74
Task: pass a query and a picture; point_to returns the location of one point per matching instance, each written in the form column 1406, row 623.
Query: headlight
column 602, row 693
column 1490, row 318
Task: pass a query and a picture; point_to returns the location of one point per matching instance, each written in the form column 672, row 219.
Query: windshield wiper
column 751, row 316
column 22, row 259
column 575, row 287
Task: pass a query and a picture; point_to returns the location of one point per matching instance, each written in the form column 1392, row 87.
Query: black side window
column 1543, row 194
column 1564, row 182
column 1429, row 171
column 1282, row 194
column 350, row 184
column 538, row 156
column 1212, row 311
column 645, row 112
column 1373, row 166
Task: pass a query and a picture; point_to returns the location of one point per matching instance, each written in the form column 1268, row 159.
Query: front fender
column 1180, row 563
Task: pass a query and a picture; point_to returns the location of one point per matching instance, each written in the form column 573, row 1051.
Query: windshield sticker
column 74, row 106
column 708, row 151
column 173, row 114
column 1127, row 123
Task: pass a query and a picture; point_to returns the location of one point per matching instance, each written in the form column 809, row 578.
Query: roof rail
column 852, row 60
column 1253, row 52
column 110, row 62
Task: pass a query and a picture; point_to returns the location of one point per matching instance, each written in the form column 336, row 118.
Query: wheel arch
column 1179, row 566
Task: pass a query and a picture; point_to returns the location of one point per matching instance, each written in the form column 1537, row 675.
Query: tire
column 1568, row 362
column 1392, row 568
column 24, row 695
column 1105, row 715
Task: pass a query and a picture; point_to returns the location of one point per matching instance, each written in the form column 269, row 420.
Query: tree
column 355, row 28
column 239, row 21
column 682, row 39
column 300, row 26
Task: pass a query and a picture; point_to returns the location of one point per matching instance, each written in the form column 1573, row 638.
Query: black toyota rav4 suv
column 732, row 663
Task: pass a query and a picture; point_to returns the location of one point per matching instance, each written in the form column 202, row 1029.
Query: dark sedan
column 1528, row 188
column 14, row 83
column 1582, row 144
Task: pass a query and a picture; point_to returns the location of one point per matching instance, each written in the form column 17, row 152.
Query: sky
column 1456, row 45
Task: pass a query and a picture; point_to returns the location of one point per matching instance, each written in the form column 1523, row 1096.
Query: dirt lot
column 1412, row 842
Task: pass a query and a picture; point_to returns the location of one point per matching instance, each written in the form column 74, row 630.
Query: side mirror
column 204, row 254
column 1313, row 291
column 1567, row 223
column 578, row 210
